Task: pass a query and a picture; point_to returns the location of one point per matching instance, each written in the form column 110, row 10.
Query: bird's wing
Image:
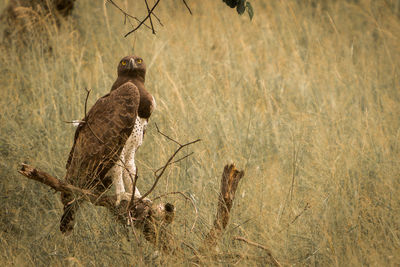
column 99, row 141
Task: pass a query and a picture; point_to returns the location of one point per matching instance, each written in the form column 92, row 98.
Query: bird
column 105, row 141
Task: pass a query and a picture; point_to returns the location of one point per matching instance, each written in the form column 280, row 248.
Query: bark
column 152, row 220
column 229, row 183
column 149, row 218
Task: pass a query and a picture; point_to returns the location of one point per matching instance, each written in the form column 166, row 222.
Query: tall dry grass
column 305, row 98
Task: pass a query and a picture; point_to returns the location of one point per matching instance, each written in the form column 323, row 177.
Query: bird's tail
column 68, row 218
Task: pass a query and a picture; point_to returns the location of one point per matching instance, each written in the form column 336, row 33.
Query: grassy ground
column 305, row 98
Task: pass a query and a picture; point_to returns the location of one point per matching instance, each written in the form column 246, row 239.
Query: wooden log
column 151, row 219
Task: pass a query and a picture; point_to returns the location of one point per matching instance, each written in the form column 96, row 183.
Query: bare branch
column 188, row 155
column 166, row 165
column 90, row 128
column 60, row 186
column 159, row 21
column 166, row 136
column 132, row 201
column 126, row 15
column 149, row 218
column 150, row 13
column 188, row 8
column 151, row 21
column 144, row 20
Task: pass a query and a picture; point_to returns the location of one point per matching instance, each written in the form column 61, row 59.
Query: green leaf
column 250, row 10
column 240, row 7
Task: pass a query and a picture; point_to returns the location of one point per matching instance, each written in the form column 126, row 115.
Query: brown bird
column 106, row 141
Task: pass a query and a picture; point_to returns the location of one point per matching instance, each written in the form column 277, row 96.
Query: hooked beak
column 131, row 64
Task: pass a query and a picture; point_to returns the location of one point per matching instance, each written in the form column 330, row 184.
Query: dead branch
column 144, row 20
column 166, row 136
column 149, row 218
column 47, row 179
column 158, row 176
column 254, row 244
column 229, row 183
column 151, row 21
column 150, row 13
column 152, row 219
column 188, row 8
column 126, row 15
column 176, row 161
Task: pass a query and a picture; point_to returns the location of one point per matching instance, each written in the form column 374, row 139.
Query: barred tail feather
column 68, row 218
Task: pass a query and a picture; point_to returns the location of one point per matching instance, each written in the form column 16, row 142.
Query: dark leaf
column 240, row 7
column 231, row 3
column 250, row 10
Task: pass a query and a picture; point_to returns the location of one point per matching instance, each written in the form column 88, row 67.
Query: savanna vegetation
column 305, row 98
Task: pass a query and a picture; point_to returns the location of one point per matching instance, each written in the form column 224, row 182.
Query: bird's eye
column 123, row 63
column 139, row 61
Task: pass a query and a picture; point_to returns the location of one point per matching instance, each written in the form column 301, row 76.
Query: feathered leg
column 129, row 176
column 116, row 173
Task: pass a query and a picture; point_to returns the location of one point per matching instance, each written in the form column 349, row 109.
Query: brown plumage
column 99, row 141
column 137, row 77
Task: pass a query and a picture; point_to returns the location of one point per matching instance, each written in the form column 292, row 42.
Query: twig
column 273, row 260
column 143, row 21
column 166, row 136
column 86, row 119
column 188, row 155
column 159, row 21
column 166, row 165
column 151, row 21
column 126, row 15
column 133, row 189
column 188, row 8
column 90, row 128
column 150, row 13
column 86, row 100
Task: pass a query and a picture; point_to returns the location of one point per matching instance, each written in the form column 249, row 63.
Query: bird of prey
column 107, row 138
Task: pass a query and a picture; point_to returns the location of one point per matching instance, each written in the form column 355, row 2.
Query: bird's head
column 132, row 66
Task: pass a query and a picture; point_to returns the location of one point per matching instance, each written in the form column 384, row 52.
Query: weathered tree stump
column 229, row 183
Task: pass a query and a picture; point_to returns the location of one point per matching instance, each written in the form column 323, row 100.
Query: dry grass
column 305, row 99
